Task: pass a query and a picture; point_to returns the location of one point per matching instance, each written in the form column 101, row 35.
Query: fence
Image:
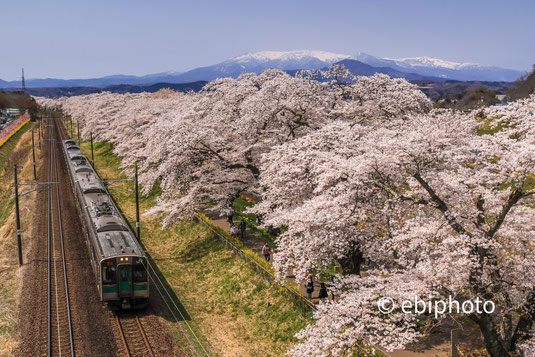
column 13, row 128
column 306, row 304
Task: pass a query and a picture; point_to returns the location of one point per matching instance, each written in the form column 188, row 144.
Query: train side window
column 140, row 273
column 109, row 275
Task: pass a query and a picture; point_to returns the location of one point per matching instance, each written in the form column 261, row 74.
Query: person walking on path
column 310, row 286
column 242, row 226
column 331, row 285
column 266, row 251
column 233, row 230
column 230, row 214
column 323, row 291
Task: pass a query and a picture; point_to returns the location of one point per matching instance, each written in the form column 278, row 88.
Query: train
column 118, row 260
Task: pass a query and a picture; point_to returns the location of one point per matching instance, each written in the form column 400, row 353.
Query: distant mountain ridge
column 292, row 61
column 359, row 68
column 56, row 92
column 94, row 82
column 435, row 67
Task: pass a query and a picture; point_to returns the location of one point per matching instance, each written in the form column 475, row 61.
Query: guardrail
column 252, row 258
column 13, row 128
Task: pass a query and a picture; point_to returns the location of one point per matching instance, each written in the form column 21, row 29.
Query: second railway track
column 60, row 331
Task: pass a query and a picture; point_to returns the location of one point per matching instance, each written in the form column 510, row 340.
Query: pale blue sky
column 82, row 39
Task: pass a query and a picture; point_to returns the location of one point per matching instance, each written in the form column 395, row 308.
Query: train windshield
column 109, row 275
column 109, row 272
column 140, row 270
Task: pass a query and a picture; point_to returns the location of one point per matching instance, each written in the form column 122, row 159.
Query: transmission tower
column 23, row 83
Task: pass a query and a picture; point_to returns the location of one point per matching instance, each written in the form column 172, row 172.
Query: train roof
column 113, row 235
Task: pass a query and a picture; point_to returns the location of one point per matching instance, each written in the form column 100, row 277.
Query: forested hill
column 16, row 99
column 55, row 92
column 523, row 87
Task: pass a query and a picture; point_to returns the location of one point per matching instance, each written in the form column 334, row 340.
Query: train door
column 125, row 280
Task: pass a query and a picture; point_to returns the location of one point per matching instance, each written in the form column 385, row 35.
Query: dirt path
column 255, row 244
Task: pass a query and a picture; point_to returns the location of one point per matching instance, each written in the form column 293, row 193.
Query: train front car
column 124, row 282
column 123, row 267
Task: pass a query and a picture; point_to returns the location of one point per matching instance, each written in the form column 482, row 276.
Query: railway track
column 131, row 329
column 60, row 331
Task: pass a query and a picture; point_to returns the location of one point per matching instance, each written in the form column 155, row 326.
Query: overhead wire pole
column 33, row 154
column 92, row 157
column 137, row 207
column 17, row 214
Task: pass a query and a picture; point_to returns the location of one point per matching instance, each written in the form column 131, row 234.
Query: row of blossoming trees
column 441, row 201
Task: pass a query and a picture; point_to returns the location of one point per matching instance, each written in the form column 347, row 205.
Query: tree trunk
column 493, row 341
column 351, row 263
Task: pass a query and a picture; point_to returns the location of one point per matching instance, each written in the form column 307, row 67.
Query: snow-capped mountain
column 429, row 66
column 291, row 56
column 294, row 60
column 259, row 61
column 414, row 62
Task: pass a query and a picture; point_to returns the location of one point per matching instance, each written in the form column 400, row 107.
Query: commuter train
column 118, row 260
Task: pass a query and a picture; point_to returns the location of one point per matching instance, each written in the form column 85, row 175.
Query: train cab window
column 109, row 275
column 124, row 275
column 139, row 271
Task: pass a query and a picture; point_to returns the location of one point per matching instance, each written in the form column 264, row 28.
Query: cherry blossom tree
column 443, row 211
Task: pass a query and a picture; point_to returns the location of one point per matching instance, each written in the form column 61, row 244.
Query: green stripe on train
column 109, row 289
column 140, row 287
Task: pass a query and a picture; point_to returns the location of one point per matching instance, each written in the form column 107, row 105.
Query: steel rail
column 49, row 218
column 123, row 338
column 144, row 337
column 64, row 263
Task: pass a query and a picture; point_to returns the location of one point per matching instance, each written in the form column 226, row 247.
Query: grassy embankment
column 231, row 308
column 16, row 151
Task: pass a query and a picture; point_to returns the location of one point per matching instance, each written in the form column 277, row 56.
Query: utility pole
column 40, row 124
column 78, row 129
column 23, row 82
column 92, row 157
column 33, row 154
column 137, row 208
column 71, row 127
column 19, row 239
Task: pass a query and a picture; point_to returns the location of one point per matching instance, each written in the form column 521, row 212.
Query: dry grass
column 233, row 310
column 9, row 270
